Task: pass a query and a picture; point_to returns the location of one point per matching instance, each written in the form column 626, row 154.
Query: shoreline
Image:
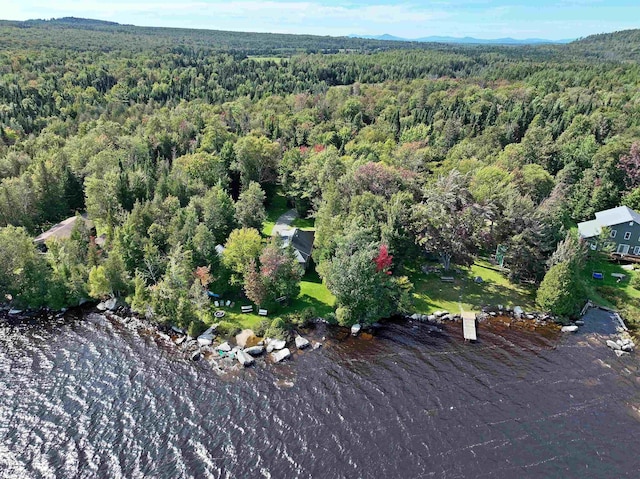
column 223, row 352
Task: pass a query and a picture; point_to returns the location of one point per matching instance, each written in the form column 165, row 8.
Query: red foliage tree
column 377, row 178
column 630, row 166
column 384, row 260
column 254, row 287
column 203, row 274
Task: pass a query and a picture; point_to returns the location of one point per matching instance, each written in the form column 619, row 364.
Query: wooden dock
column 469, row 326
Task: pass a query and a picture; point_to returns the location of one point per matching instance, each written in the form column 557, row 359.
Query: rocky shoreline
column 246, row 348
column 516, row 313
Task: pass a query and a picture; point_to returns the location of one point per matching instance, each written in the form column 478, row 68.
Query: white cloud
column 286, row 11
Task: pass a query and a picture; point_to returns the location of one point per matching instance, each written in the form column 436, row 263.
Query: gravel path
column 284, row 222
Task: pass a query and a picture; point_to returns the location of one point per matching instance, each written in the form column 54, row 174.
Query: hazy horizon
column 482, row 19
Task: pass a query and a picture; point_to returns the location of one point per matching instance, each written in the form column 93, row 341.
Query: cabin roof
column 301, row 242
column 606, row 218
column 616, row 216
column 63, row 229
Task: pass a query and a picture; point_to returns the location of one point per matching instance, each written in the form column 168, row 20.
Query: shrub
column 631, row 315
column 635, row 280
column 560, row 292
column 196, row 328
column 227, row 329
column 343, row 316
column 262, row 327
column 278, row 329
column 331, row 318
column 302, row 319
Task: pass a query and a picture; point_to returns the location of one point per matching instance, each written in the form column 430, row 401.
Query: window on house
column 636, row 250
column 613, row 233
column 627, row 235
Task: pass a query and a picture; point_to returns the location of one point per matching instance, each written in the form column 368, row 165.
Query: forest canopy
column 175, row 141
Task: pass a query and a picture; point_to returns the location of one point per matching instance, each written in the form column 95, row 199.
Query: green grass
column 609, row 293
column 258, row 58
column 313, row 293
column 307, row 224
column 276, row 208
column 602, row 265
column 431, row 294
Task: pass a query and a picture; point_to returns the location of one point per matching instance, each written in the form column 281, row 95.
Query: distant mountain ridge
column 464, row 40
column 90, row 34
column 74, row 21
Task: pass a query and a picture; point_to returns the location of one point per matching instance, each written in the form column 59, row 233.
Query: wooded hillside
column 172, row 139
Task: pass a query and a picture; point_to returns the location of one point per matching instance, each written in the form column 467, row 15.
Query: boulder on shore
column 280, row 355
column 355, row 329
column 177, row 330
column 569, row 329
column 244, row 358
column 246, row 338
column 275, row 345
column 205, row 339
column 301, row 342
column 224, row 347
column 111, row 304
column 613, row 345
column 255, row 350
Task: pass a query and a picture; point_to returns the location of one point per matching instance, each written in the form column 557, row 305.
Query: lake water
column 90, row 397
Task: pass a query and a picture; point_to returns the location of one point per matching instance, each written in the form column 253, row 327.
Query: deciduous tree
column 446, row 221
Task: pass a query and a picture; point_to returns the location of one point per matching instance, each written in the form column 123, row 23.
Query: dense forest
column 174, row 141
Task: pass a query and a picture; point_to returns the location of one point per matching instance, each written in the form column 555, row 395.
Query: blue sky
column 551, row 19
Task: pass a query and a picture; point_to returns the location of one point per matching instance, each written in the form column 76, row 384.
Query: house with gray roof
column 624, row 227
column 64, row 229
column 301, row 242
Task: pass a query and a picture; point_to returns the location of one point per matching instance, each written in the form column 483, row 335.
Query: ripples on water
column 91, row 398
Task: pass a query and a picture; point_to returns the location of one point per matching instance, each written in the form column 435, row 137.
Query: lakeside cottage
column 64, row 229
column 624, row 226
column 301, row 242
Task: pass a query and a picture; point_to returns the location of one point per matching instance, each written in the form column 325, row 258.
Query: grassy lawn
column 313, row 293
column 258, row 58
column 277, row 208
column 431, row 294
column 616, row 292
column 608, row 292
column 306, row 224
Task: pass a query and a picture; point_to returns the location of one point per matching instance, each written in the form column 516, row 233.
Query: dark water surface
column 92, row 398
